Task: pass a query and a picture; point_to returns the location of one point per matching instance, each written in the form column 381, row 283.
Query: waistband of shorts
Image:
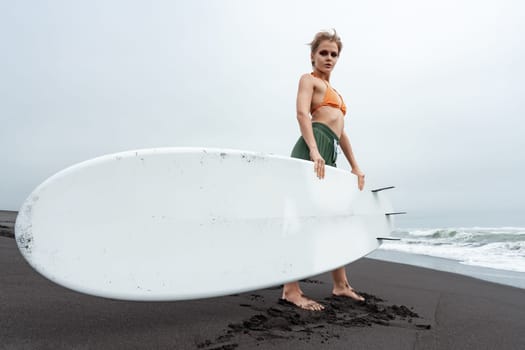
column 325, row 130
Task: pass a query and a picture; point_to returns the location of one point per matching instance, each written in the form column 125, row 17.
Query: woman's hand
column 319, row 162
column 360, row 178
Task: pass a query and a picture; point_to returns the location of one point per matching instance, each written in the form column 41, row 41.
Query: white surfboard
column 187, row 223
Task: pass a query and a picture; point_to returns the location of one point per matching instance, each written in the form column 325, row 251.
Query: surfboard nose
column 24, row 228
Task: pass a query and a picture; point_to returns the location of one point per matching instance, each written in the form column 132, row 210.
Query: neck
column 317, row 73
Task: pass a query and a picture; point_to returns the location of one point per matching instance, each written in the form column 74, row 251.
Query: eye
column 325, row 53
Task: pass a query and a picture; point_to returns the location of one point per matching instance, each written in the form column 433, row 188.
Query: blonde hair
column 326, row 35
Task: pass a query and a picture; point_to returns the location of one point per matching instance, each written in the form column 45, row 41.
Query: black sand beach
column 407, row 308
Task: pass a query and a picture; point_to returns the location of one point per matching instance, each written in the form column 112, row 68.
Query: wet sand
column 7, row 223
column 407, row 308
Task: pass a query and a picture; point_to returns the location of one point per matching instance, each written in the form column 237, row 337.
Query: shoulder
column 307, row 77
column 307, row 80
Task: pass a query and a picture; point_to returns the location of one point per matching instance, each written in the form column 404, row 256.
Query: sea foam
column 500, row 248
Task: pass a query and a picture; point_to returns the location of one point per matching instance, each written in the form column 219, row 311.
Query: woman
column 321, row 135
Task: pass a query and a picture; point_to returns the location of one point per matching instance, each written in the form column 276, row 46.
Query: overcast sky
column 434, row 89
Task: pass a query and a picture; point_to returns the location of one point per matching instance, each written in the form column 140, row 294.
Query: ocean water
column 492, row 253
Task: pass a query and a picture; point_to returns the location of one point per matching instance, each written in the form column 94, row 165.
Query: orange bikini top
column 331, row 98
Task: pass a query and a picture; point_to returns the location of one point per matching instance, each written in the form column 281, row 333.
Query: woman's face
column 326, row 56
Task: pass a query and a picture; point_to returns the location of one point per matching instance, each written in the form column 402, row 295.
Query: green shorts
column 327, row 143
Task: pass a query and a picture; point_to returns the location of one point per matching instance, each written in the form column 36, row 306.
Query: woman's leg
column 342, row 287
column 292, row 293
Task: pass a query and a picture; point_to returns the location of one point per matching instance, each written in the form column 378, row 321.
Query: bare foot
column 347, row 291
column 301, row 301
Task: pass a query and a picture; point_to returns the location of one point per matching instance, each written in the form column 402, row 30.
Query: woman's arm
column 304, row 100
column 349, row 154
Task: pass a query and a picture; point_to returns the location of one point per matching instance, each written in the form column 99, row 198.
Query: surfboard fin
column 382, row 189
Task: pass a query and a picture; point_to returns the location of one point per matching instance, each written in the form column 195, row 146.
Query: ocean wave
column 468, row 235
column 501, row 248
